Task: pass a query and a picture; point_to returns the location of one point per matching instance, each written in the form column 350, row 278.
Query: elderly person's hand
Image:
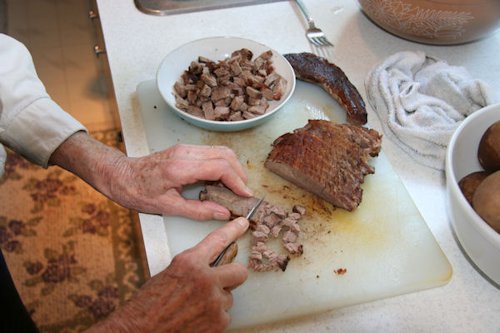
column 189, row 295
column 153, row 183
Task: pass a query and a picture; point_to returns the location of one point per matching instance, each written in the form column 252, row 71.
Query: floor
column 61, row 39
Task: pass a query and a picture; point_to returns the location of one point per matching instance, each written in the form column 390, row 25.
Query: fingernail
column 222, row 216
column 243, row 222
column 248, row 191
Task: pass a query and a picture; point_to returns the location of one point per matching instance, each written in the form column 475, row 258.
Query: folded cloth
column 421, row 101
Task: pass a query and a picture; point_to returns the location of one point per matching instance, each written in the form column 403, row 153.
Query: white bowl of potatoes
column 212, row 84
column 473, row 188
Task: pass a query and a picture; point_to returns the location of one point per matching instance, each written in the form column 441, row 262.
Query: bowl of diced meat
column 225, row 83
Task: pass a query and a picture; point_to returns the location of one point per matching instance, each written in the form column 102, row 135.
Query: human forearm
column 89, row 159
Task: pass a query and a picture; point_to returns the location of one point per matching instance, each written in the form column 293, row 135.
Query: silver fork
column 314, row 34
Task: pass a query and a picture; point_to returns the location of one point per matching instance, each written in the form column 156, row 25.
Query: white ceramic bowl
column 477, row 238
column 216, row 49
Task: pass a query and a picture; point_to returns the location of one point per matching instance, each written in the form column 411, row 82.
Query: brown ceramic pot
column 439, row 22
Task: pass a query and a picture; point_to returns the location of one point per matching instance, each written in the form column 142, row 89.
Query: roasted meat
column 328, row 159
column 312, row 68
column 269, row 222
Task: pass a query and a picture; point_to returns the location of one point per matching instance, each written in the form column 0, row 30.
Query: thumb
column 216, row 241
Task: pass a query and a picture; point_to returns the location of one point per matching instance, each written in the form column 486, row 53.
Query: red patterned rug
column 74, row 255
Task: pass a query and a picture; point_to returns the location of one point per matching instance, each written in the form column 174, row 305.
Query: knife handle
column 226, row 256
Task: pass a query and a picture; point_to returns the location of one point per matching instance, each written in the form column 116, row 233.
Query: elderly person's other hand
column 153, row 183
column 189, row 295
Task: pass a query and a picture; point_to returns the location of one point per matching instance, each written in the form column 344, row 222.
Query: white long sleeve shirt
column 31, row 123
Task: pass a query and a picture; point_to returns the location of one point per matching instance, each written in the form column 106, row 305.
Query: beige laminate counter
column 136, row 43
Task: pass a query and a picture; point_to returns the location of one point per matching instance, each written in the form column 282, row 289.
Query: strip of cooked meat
column 312, row 68
column 328, row 159
column 268, row 222
column 238, row 206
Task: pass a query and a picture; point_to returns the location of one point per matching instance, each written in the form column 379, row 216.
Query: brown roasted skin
column 327, row 159
column 312, row 68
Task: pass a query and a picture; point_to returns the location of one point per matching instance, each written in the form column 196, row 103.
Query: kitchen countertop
column 136, row 44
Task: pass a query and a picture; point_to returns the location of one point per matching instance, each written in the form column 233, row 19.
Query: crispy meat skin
column 327, row 159
column 311, row 68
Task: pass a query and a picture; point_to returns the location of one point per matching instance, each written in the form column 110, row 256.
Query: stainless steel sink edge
column 173, row 7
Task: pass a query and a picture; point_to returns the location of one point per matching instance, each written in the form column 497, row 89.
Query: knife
column 221, row 257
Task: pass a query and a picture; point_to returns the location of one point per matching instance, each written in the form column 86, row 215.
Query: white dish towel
column 421, row 101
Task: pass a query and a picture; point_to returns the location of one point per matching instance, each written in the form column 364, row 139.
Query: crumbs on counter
column 340, row 271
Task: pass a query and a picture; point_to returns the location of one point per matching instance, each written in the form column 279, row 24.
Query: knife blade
column 222, row 258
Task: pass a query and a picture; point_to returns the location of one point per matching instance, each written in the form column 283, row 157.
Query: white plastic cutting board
column 385, row 246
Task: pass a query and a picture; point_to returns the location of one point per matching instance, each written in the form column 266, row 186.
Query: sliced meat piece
column 238, row 206
column 235, row 116
column 181, row 103
column 208, row 110
column 257, row 109
column 244, row 53
column 253, row 93
column 205, row 91
column 299, row 209
column 279, row 88
column 290, row 237
column 221, row 112
column 312, row 68
column 237, row 102
column 180, row 88
column 219, row 93
column 294, row 248
column 209, row 79
column 195, row 111
column 330, row 160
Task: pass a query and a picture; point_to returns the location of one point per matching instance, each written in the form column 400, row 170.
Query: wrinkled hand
column 153, row 184
column 189, row 295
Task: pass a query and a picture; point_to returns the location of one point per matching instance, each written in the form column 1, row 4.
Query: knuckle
column 184, row 260
column 172, row 167
column 223, row 167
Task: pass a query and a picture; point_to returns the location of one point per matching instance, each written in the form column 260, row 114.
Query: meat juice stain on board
column 252, row 148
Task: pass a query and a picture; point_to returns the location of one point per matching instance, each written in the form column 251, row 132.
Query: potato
column 469, row 183
column 486, row 200
column 488, row 151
